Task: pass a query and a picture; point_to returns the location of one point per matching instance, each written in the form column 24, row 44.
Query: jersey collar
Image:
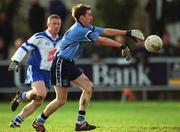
column 49, row 34
column 80, row 23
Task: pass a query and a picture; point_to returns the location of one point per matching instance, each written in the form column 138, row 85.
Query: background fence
column 113, row 75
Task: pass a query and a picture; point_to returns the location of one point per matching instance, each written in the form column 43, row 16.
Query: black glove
column 126, row 52
column 13, row 66
column 135, row 34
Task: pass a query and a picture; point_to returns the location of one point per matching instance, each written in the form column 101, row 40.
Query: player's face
column 54, row 26
column 87, row 18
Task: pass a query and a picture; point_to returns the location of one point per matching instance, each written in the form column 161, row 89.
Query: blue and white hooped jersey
column 41, row 48
column 73, row 41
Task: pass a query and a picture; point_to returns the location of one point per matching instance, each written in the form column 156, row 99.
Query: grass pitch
column 109, row 116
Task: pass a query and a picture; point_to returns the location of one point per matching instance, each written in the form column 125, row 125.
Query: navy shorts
column 63, row 71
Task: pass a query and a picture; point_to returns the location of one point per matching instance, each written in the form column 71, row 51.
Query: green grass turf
column 109, row 116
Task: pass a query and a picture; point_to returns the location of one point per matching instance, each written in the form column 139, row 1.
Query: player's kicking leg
column 37, row 95
column 86, row 85
column 60, row 100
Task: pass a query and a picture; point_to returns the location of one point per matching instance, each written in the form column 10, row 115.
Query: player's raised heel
column 14, row 124
column 16, row 101
column 38, row 127
column 84, row 127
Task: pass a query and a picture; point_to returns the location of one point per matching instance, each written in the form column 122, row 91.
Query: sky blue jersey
column 73, row 41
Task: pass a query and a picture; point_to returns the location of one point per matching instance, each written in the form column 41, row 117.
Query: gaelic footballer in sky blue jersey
column 67, row 72
column 73, row 42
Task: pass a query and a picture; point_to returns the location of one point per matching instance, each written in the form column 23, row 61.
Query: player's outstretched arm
column 114, row 32
column 135, row 34
column 111, row 43
column 108, row 42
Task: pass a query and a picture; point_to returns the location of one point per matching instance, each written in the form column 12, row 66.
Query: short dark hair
column 79, row 10
column 53, row 16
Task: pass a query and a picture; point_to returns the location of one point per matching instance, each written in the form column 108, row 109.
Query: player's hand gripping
column 135, row 34
column 13, row 66
column 126, row 53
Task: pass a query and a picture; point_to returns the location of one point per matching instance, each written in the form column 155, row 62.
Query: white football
column 153, row 43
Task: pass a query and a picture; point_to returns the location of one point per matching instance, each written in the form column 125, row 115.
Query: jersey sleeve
column 89, row 35
column 99, row 30
column 26, row 47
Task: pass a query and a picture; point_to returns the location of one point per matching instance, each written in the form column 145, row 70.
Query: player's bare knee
column 38, row 103
column 33, row 96
column 60, row 102
column 37, row 97
column 89, row 90
column 40, row 98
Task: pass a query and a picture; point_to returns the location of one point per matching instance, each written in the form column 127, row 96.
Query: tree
column 115, row 13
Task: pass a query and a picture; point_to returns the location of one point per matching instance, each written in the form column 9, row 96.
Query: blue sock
column 41, row 119
column 18, row 119
column 81, row 117
column 23, row 96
